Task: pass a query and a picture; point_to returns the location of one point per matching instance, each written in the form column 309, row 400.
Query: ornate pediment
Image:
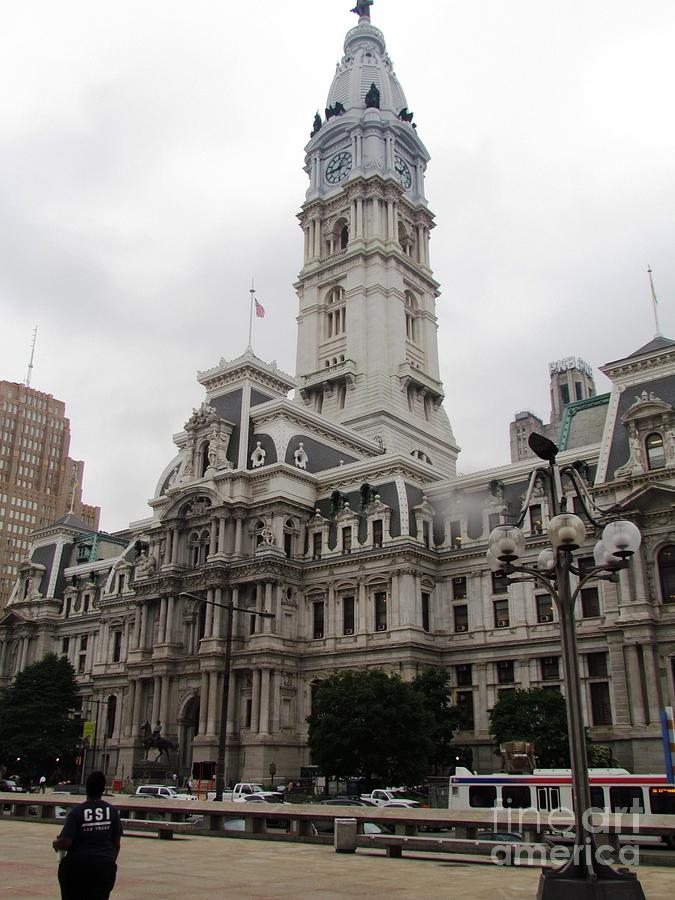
column 647, row 405
column 201, row 418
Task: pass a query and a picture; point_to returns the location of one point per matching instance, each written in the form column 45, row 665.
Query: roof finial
column 655, row 302
column 362, row 9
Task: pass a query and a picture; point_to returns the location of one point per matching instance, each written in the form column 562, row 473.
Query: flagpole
column 250, row 317
column 654, row 302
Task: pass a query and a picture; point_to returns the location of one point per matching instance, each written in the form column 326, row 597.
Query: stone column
column 264, row 727
column 652, row 684
column 174, row 546
column 161, row 636
column 203, row 702
column 136, row 636
column 218, row 612
column 635, row 687
column 480, row 714
column 3, row 655
column 213, row 537
column 277, row 623
column 213, row 698
column 129, row 718
column 170, row 608
column 255, row 700
column 136, row 708
column 156, row 697
column 221, row 534
column 330, row 625
column 208, row 627
column 238, row 532
column 275, row 701
column 362, row 608
column 164, row 702
column 143, row 640
column 267, row 623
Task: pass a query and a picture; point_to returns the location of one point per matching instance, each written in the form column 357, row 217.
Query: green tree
column 370, row 725
column 435, row 696
column 36, row 717
column 538, row 715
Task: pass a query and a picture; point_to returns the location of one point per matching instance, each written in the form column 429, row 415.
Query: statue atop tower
column 362, row 9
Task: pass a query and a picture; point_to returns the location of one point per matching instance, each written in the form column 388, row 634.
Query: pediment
column 12, row 619
column 647, row 405
column 650, row 498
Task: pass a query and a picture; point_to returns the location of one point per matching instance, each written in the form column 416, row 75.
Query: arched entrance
column 188, row 727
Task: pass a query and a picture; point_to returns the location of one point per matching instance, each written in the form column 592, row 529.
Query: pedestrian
column 43, row 785
column 91, row 836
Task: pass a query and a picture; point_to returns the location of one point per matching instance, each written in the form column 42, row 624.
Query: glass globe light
column 546, row 560
column 603, row 557
column 567, row 531
column 621, row 538
column 506, row 542
column 496, row 565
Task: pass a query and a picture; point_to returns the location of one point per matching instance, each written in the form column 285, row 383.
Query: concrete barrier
column 345, row 835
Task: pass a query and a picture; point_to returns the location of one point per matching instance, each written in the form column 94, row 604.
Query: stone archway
column 188, row 728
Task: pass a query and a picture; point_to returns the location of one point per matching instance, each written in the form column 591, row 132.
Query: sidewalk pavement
column 207, row 867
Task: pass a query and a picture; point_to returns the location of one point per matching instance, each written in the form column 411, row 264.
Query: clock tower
column 367, row 352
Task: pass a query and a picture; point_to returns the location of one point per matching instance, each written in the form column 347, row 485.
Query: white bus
column 547, row 790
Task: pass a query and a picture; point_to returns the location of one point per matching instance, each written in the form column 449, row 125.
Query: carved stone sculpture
column 258, row 456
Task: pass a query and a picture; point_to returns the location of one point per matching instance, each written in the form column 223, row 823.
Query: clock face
column 339, row 167
column 403, row 172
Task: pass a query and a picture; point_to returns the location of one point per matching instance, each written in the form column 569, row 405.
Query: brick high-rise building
column 39, row 482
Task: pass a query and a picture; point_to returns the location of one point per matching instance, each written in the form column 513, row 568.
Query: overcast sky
column 151, row 162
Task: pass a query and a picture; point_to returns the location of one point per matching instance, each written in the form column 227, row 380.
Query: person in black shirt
column 91, row 836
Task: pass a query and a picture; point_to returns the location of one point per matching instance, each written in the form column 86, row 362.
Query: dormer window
column 656, row 457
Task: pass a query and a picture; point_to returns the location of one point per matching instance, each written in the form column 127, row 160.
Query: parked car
column 161, row 792
column 11, row 787
column 401, row 804
column 347, row 801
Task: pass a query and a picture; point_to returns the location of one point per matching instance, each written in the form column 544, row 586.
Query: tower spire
column 32, row 357
column 655, row 303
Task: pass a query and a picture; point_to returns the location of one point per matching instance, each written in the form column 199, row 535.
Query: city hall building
column 331, row 500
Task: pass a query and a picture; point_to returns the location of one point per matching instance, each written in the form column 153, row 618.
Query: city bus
column 547, row 790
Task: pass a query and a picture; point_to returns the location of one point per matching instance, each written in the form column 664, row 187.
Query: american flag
column 259, row 310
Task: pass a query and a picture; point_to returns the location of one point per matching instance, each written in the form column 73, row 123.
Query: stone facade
column 340, row 512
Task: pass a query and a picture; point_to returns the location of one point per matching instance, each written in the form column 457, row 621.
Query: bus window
column 482, row 796
column 626, row 800
column 516, row 796
column 548, row 798
column 662, row 800
column 598, row 799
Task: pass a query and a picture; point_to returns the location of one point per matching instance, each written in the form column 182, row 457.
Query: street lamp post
column 585, row 876
column 222, row 736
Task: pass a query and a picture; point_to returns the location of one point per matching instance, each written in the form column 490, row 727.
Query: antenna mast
column 32, row 357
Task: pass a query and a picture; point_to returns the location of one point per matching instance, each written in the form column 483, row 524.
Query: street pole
column 222, row 737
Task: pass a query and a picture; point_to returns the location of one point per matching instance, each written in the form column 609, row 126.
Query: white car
column 401, row 804
column 161, row 792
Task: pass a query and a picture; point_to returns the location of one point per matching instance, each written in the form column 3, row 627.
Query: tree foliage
column 433, row 688
column 538, row 715
column 36, row 717
column 371, row 725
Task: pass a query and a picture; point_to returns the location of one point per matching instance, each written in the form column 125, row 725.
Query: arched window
column 259, row 528
column 336, row 317
column 344, row 237
column 410, row 316
column 405, row 240
column 666, row 564
column 194, row 550
column 656, row 457
column 112, row 712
